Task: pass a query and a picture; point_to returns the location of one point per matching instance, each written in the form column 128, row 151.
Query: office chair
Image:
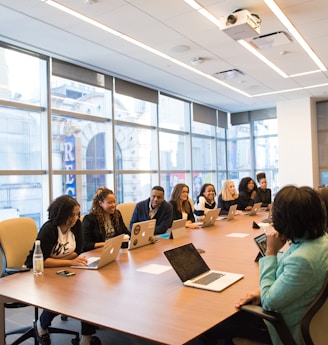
column 17, row 237
column 126, row 210
column 313, row 324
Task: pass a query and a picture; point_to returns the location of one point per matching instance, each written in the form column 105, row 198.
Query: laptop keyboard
column 208, row 278
column 93, row 264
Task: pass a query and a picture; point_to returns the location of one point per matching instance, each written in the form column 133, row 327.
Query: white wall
column 298, row 144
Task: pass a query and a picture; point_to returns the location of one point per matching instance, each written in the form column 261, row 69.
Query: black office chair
column 17, row 236
column 313, row 325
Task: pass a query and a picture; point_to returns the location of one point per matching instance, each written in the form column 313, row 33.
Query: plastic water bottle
column 37, row 259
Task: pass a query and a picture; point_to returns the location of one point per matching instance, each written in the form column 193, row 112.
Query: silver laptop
column 109, row 254
column 178, row 228
column 269, row 218
column 210, row 218
column 254, row 209
column 142, row 233
column 231, row 213
column 194, row 272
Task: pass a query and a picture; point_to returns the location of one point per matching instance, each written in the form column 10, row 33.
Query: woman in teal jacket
column 289, row 284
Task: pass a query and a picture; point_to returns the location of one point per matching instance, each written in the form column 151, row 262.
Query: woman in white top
column 205, row 200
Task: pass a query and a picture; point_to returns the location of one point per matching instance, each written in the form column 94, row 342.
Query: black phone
column 65, row 273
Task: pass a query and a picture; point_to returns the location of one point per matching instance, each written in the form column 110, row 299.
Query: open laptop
column 177, row 230
column 109, row 254
column 231, row 213
column 194, row 272
column 210, row 218
column 142, row 233
column 254, row 209
column 269, row 218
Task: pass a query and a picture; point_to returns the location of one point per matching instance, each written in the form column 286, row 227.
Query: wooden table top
column 156, row 307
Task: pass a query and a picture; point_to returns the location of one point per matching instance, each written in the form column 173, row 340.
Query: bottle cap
column 37, row 242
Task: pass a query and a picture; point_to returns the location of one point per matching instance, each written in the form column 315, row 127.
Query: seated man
column 155, row 207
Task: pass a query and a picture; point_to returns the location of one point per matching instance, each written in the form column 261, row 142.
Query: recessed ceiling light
column 180, row 49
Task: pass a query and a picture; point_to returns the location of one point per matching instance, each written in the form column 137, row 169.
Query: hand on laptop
column 80, row 261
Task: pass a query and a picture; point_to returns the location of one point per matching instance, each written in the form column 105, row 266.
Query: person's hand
column 191, row 225
column 80, row 261
column 275, row 241
column 248, row 208
column 253, row 194
column 250, row 298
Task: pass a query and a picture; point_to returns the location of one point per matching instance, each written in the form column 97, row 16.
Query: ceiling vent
column 241, row 25
column 274, row 39
column 229, row 74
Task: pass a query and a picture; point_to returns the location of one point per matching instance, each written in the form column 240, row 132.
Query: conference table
column 140, row 294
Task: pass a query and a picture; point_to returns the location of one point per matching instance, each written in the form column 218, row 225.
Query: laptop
column 269, row 218
column 254, row 209
column 194, row 272
column 231, row 213
column 142, row 233
column 210, row 218
column 177, row 230
column 109, row 254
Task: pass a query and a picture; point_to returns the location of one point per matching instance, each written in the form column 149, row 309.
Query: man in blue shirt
column 155, row 207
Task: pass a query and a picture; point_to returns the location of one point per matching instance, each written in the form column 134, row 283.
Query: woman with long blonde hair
column 228, row 196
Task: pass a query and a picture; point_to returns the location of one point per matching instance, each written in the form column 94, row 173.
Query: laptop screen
column 186, row 261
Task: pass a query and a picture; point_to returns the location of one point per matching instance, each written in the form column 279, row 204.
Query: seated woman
column 103, row 221
column 263, row 194
column 288, row 285
column 61, row 241
column 227, row 197
column 181, row 206
column 205, row 200
column 247, row 192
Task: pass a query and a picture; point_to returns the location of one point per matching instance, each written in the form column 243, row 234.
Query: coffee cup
column 125, row 244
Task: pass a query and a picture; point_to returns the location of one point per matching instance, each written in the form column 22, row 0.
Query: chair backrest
column 315, row 321
column 126, row 210
column 17, row 236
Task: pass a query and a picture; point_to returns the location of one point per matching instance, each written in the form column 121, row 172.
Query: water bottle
column 37, row 259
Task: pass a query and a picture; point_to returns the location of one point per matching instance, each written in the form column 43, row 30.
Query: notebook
column 210, row 218
column 109, row 254
column 142, row 233
column 231, row 213
column 254, row 209
column 194, row 272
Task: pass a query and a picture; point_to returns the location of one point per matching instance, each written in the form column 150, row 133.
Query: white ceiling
column 167, row 25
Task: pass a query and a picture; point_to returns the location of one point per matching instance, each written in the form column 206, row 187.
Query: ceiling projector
column 241, row 25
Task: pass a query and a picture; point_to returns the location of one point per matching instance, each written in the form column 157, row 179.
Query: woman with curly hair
column 182, row 208
column 103, row 221
column 247, row 192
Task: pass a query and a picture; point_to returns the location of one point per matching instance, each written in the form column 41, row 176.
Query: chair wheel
column 63, row 318
column 95, row 340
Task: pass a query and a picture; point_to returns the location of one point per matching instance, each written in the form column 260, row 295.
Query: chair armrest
column 275, row 319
